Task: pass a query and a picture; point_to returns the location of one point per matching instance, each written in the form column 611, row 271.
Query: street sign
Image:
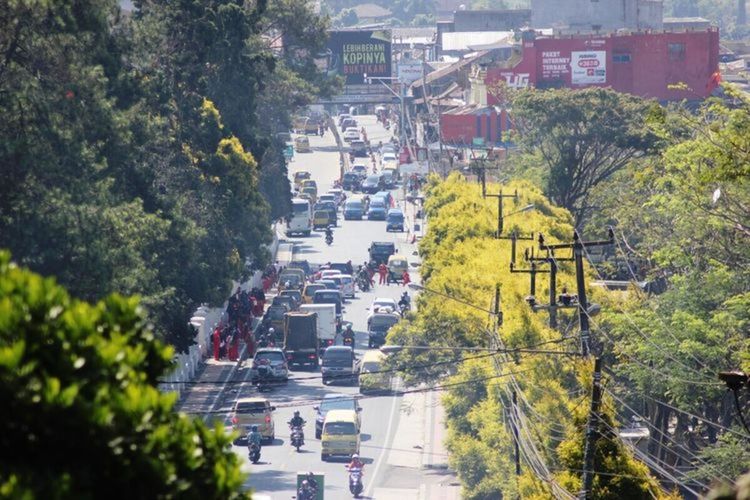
column 409, row 71
column 477, row 141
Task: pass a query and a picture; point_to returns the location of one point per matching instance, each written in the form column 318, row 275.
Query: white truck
column 326, row 322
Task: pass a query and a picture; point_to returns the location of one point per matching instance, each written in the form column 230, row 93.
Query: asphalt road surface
column 275, row 474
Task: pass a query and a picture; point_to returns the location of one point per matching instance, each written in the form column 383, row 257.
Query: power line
column 394, row 393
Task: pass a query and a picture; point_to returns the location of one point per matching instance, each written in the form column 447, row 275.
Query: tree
column 81, row 414
column 583, row 138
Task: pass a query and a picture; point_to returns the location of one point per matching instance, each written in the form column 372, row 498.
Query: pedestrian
column 217, row 342
column 405, row 277
column 383, row 272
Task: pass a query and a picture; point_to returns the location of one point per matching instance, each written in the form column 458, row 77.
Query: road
column 275, row 475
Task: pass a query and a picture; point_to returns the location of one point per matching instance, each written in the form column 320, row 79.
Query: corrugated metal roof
column 464, row 40
column 435, row 75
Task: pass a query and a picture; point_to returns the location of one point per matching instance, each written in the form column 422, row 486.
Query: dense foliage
column 132, row 158
column 81, row 415
column 582, row 138
column 461, row 258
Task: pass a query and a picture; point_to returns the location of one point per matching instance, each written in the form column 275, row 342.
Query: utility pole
column 500, row 197
column 592, row 432
column 515, row 437
column 592, row 425
column 552, row 261
column 578, row 248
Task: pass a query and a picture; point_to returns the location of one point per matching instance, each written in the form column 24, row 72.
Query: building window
column 676, row 51
column 621, row 58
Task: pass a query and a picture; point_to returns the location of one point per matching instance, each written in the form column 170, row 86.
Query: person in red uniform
column 383, row 272
column 406, row 277
column 217, row 342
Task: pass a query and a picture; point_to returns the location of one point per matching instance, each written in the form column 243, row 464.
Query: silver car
column 273, row 358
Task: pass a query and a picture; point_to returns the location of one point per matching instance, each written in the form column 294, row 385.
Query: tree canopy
column 582, row 137
column 81, row 415
column 132, row 156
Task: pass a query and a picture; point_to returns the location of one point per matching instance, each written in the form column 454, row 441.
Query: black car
column 359, row 149
column 350, row 181
column 380, row 251
column 372, row 184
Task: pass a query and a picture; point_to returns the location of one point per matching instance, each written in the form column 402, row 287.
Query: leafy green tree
column 583, row 137
column 81, row 414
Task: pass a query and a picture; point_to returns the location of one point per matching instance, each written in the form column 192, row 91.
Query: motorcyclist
column 405, row 300
column 254, row 437
column 306, row 491
column 348, row 333
column 356, row 463
column 329, row 233
column 349, row 268
column 296, row 420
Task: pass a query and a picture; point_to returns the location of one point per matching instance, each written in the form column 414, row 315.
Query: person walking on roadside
column 383, row 272
column 405, row 277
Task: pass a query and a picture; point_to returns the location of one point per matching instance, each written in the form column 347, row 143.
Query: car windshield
column 398, row 263
column 353, row 204
column 377, row 204
column 383, row 322
column 300, row 208
column 311, row 289
column 334, row 357
column 251, row 407
column 276, row 313
column 271, row 356
column 327, row 296
column 373, row 179
column 340, row 428
column 336, row 404
column 382, row 247
column 371, row 367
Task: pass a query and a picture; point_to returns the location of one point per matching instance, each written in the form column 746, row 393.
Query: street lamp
column 401, row 95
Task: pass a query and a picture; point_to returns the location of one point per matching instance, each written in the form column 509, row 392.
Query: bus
column 300, row 222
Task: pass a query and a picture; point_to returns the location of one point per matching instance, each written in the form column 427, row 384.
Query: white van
column 300, row 221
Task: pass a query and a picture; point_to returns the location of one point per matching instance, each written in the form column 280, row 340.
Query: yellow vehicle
column 308, row 294
column 340, row 434
column 397, row 264
column 322, row 219
column 300, row 176
column 302, row 144
column 373, row 376
column 254, row 411
column 309, row 182
column 312, row 192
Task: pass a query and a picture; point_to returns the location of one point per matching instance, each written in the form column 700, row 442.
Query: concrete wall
column 590, row 15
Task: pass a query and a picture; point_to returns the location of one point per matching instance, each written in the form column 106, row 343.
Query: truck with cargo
column 301, row 338
column 326, row 322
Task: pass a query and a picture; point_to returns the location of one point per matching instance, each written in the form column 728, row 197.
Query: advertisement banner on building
column 588, row 67
column 409, row 71
column 356, row 53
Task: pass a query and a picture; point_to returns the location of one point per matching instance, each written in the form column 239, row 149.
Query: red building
column 460, row 126
column 664, row 65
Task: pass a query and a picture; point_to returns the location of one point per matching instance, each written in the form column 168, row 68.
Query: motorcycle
column 329, row 238
column 355, row 482
column 264, row 378
column 363, row 282
column 306, row 494
column 405, row 307
column 297, row 438
column 349, row 341
column 254, row 453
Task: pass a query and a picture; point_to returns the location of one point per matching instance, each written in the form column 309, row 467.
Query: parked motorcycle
column 254, row 453
column 297, row 438
column 355, row 482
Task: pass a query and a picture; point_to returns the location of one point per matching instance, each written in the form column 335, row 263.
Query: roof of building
column 371, row 11
column 675, row 20
column 465, row 40
column 436, row 75
column 416, row 36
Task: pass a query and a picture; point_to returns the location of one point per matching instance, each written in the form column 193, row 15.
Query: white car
column 351, row 134
column 389, row 157
column 382, row 304
column 327, row 273
column 347, row 285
